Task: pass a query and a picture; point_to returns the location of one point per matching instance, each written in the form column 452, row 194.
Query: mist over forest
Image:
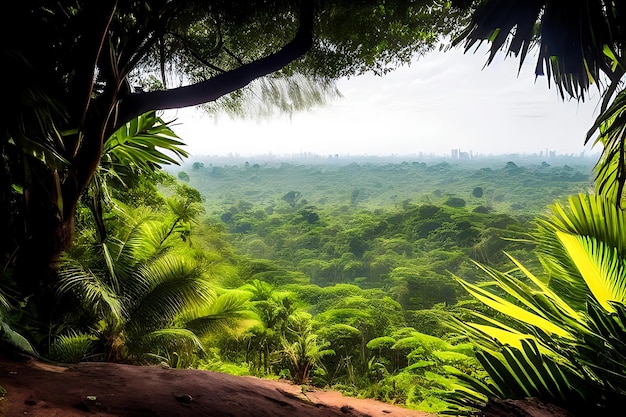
column 521, row 184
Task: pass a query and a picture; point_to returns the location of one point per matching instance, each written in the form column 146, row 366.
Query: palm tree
column 275, row 311
column 147, row 295
column 560, row 336
column 303, row 349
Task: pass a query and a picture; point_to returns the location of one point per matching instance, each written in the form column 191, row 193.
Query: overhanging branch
column 222, row 84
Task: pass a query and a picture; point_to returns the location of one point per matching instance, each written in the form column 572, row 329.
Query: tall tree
column 92, row 66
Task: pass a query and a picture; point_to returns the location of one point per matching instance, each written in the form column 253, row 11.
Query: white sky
column 442, row 101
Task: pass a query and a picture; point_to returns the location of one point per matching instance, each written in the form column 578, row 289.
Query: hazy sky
column 442, row 101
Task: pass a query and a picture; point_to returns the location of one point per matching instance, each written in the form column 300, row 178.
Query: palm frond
column 584, row 294
column 223, row 313
column 611, row 168
column 576, row 44
column 171, row 337
column 185, row 210
column 527, row 373
column 73, row 347
column 90, row 288
column 156, row 238
column 145, row 143
column 5, row 306
column 171, row 344
column 599, row 266
column 536, row 318
column 175, row 284
column 585, row 215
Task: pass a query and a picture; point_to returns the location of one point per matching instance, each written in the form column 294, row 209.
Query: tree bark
column 222, row 84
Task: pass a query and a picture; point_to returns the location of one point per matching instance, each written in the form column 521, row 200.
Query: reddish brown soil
column 38, row 389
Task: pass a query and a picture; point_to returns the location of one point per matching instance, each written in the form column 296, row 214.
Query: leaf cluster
column 558, row 337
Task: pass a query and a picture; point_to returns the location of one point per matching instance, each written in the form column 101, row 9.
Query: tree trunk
column 47, row 231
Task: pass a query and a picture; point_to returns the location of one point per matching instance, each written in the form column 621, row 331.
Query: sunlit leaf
column 510, row 309
column 599, row 266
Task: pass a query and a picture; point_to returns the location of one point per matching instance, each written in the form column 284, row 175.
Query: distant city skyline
column 443, row 101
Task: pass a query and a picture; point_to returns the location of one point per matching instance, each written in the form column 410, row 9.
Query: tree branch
column 222, row 84
column 196, row 55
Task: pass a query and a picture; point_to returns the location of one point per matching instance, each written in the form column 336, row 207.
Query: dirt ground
column 39, row 389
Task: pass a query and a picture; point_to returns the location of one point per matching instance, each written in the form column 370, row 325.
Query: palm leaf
column 480, row 390
column 168, row 344
column 221, row 314
column 73, row 347
column 525, row 372
column 15, row 339
column 546, row 291
column 175, row 284
column 508, row 308
column 606, row 354
column 576, row 44
column 90, row 288
column 600, row 267
column 4, row 304
column 174, row 337
column 156, row 239
column 611, row 168
column 585, row 215
column 145, row 142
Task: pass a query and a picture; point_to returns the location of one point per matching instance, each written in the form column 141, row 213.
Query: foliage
column 141, row 284
column 96, row 72
column 379, row 267
column 576, row 47
column 611, row 168
column 141, row 293
column 304, row 354
column 73, row 347
column 143, row 144
column 559, row 337
column 139, row 148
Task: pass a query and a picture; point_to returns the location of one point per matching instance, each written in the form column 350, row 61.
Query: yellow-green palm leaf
column 599, row 266
column 508, row 308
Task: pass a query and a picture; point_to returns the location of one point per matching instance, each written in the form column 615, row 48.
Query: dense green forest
column 377, row 224
column 342, row 274
column 358, row 276
column 339, row 275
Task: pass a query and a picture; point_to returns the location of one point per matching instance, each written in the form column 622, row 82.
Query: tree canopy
column 92, row 67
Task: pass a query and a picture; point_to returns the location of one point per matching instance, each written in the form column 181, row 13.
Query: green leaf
column 510, row 309
column 599, row 266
